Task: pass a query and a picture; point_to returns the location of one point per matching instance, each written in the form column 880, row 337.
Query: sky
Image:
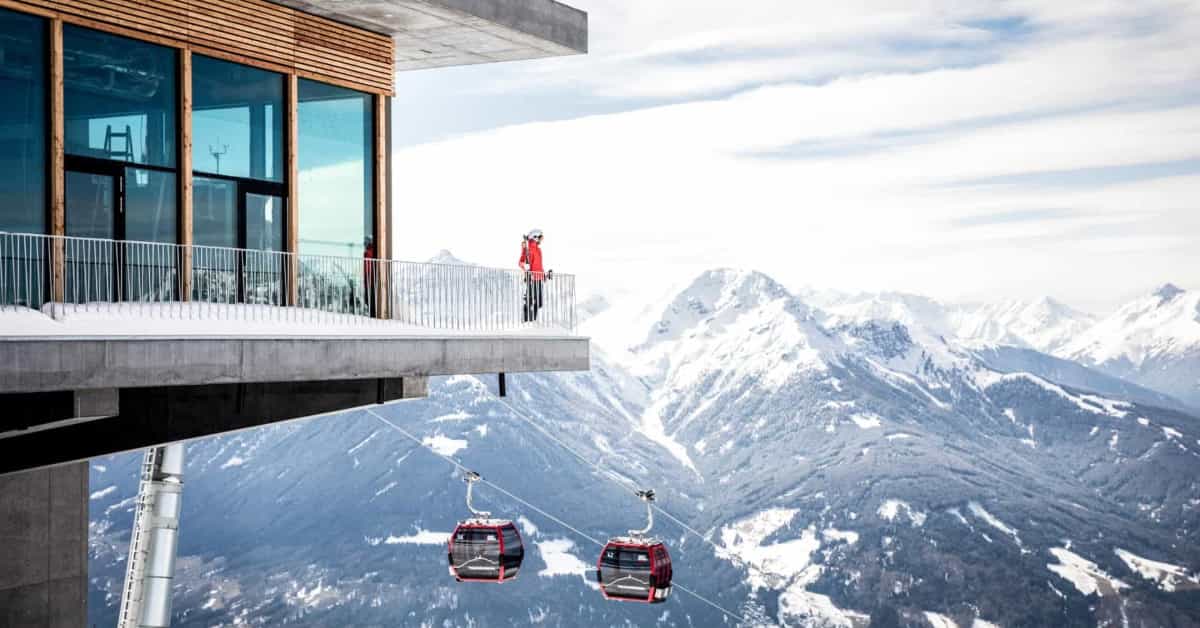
column 967, row 150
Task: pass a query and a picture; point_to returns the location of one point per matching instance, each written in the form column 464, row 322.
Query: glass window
column 23, row 128
column 149, row 205
column 336, row 144
column 91, row 199
column 512, row 542
column 264, row 222
column 119, row 98
column 237, row 120
column 624, row 558
column 214, row 212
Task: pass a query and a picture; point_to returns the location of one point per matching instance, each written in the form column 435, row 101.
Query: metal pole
column 471, row 478
column 648, row 497
column 146, row 602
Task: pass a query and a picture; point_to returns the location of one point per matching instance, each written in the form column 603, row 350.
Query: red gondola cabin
column 635, row 570
column 485, row 550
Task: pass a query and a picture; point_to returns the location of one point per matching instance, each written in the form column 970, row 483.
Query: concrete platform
column 159, row 415
column 49, row 364
column 439, row 33
column 69, row 399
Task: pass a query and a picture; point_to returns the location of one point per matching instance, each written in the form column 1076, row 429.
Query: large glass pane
column 150, row 269
column 149, row 205
column 89, row 200
column 264, row 236
column 119, row 98
column 237, row 120
column 23, row 128
column 91, row 264
column 214, row 212
column 214, row 224
column 336, row 132
column 264, row 222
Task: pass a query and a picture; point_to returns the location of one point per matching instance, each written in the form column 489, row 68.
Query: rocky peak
column 1167, row 292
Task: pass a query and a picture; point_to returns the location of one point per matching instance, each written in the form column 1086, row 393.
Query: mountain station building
column 195, row 218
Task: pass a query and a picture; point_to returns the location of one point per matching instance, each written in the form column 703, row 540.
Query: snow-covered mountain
column 843, row 469
column 1043, row 324
column 1153, row 341
column 920, row 314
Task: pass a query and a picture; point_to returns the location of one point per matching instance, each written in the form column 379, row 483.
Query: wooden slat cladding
column 327, row 48
column 255, row 32
column 311, row 29
column 258, row 30
column 160, row 19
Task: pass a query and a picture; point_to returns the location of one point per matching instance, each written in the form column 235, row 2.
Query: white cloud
column 911, row 173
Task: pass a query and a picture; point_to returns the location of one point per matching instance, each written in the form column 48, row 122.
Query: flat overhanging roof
column 440, row 33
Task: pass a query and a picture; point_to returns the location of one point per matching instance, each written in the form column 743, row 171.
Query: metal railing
column 63, row 275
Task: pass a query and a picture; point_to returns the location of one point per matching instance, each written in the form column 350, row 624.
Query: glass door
column 92, row 201
column 93, row 206
column 121, row 223
column 215, row 232
column 238, row 227
column 264, row 272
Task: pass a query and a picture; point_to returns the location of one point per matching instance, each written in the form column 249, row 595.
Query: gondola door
column 95, row 208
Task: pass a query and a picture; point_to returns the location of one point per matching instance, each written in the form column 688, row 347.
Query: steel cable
column 616, row 478
column 566, row 525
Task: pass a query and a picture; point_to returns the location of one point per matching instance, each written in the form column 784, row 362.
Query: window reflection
column 92, row 200
column 22, row 123
column 119, row 98
column 264, row 222
column 149, row 205
column 214, row 212
column 336, row 131
column 237, row 122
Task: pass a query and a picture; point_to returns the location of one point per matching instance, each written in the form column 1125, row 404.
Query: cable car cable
column 491, row 484
column 610, row 474
column 613, row 476
column 622, row 482
column 564, row 524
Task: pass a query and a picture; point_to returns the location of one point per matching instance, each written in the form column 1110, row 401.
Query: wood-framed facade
column 254, row 33
column 251, row 32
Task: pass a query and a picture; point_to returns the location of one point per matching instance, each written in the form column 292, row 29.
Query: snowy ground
column 1170, row 578
column 207, row 319
column 1087, row 576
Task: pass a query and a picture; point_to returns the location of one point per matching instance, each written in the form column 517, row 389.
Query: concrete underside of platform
column 440, row 33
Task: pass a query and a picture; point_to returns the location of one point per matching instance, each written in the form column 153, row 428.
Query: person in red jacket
column 531, row 263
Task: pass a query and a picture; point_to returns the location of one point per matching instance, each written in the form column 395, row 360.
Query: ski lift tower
column 150, row 570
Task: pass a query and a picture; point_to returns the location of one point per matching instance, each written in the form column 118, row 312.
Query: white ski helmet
column 535, row 233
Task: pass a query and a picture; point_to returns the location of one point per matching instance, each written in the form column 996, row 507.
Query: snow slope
column 1153, row 341
column 1043, row 324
